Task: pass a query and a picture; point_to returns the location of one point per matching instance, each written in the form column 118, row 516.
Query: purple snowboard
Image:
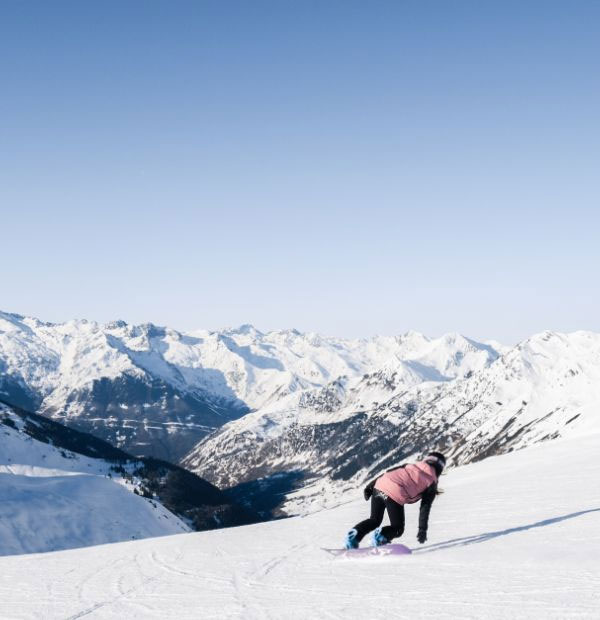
column 364, row 552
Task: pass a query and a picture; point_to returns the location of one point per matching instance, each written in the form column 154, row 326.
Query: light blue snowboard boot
column 351, row 542
column 378, row 539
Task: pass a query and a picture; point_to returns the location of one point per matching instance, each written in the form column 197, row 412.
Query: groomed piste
column 514, row 536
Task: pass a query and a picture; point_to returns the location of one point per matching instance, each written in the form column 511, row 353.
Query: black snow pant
column 379, row 503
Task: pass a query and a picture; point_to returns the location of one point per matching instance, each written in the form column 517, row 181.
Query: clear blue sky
column 345, row 167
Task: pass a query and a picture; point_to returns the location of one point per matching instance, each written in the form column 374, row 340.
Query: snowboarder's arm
column 369, row 489
column 426, row 501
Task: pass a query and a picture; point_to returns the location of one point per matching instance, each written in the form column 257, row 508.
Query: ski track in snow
column 516, row 536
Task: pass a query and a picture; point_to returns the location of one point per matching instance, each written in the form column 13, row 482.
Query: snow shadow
column 479, row 538
column 261, row 361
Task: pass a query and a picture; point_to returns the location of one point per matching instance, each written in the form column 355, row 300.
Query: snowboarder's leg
column 377, row 512
column 396, row 514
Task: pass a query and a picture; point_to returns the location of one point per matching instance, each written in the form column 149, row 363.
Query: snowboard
column 363, row 552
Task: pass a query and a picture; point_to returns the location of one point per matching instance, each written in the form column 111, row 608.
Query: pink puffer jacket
column 405, row 485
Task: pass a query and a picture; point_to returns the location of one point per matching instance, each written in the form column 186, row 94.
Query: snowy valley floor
column 516, row 536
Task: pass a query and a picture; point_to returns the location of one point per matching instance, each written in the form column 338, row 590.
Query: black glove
column 422, row 536
column 369, row 490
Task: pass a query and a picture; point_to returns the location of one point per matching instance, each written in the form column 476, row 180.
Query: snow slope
column 44, row 513
column 60, row 489
column 51, row 498
column 515, row 536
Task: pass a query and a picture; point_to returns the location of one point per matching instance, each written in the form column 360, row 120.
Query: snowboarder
column 406, row 484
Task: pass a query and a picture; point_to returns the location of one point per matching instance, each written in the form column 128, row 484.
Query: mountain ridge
column 155, row 391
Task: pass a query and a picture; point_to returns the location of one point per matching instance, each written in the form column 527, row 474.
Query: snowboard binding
column 378, row 539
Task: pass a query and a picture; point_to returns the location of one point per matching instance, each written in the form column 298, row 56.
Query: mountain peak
column 246, row 329
column 117, row 324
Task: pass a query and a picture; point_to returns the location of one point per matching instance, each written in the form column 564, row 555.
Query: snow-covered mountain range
column 60, row 488
column 156, row 391
column 341, row 435
column 287, row 415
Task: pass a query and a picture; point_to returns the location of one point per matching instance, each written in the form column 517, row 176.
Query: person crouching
column 402, row 485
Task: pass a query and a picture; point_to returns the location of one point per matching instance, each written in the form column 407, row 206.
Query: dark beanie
column 440, row 457
column 437, row 460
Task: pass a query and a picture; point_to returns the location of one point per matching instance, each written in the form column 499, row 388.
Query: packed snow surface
column 514, row 536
